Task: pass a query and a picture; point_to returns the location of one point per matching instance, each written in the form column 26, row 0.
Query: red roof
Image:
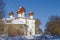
column 21, row 10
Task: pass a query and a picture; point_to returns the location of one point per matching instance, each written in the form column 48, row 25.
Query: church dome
column 31, row 13
column 11, row 13
column 21, row 10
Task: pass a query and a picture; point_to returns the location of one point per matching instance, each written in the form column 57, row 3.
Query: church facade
column 28, row 26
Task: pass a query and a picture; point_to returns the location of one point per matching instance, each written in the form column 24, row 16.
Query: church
column 23, row 25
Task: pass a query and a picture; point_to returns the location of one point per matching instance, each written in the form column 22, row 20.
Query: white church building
column 32, row 24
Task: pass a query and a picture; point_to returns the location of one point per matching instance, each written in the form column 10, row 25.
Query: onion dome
column 11, row 13
column 21, row 10
column 31, row 13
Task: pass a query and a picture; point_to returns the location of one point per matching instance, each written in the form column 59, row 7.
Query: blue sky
column 42, row 9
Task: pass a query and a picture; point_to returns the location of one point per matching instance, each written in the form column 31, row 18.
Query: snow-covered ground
column 34, row 37
column 31, row 37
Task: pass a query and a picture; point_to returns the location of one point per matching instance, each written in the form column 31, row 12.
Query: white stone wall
column 11, row 16
column 29, row 22
column 23, row 14
column 19, row 15
column 31, row 28
column 31, row 17
column 19, row 21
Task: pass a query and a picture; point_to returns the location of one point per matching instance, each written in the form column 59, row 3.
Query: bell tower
column 21, row 12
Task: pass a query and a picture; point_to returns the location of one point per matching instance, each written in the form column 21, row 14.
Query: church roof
column 11, row 13
column 21, row 10
column 31, row 13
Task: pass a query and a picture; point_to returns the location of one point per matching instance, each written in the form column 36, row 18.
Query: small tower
column 31, row 14
column 21, row 12
column 11, row 14
column 31, row 24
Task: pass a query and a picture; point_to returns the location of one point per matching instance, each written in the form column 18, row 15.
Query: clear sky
column 42, row 9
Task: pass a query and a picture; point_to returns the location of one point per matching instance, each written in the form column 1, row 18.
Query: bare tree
column 53, row 26
column 37, row 24
column 2, row 4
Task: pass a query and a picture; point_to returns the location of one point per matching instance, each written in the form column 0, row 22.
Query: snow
column 2, row 39
column 34, row 37
column 29, row 37
column 38, row 34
